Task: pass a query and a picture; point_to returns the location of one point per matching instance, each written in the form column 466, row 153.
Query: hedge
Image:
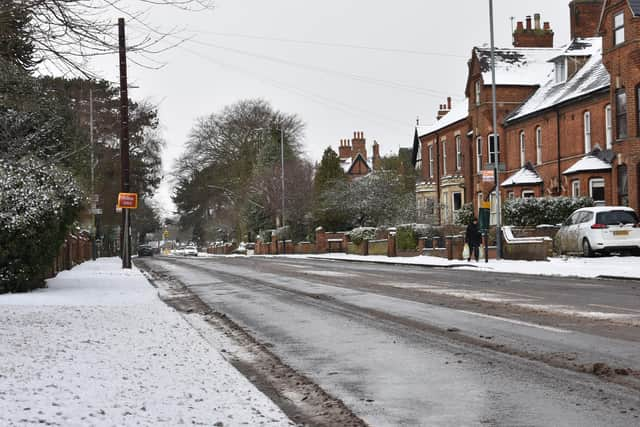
column 543, row 210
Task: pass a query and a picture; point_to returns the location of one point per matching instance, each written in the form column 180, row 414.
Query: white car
column 602, row 229
column 190, row 251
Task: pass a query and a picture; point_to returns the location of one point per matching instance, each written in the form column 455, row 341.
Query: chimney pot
column 528, row 22
column 520, row 26
column 547, row 26
column 536, row 19
column 355, row 134
column 449, row 102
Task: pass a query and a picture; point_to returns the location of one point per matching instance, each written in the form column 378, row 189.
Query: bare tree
column 66, row 33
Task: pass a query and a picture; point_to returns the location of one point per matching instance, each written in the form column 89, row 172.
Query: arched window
column 539, row 145
column 608, row 126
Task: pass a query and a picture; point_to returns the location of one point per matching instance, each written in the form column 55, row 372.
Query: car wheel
column 586, row 249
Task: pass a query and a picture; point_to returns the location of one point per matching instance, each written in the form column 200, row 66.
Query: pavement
column 98, row 347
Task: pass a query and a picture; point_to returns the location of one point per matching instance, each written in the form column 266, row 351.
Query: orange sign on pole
column 127, row 200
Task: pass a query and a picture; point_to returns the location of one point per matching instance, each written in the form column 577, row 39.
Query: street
column 402, row 345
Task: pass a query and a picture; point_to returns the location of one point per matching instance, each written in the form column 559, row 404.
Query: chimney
column 444, row 109
column 533, row 37
column 449, row 103
column 584, row 18
column 376, row 155
column 345, row 149
column 358, row 144
column 536, row 21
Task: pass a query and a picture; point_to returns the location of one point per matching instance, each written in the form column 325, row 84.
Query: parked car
column 602, row 229
column 145, row 250
column 190, row 251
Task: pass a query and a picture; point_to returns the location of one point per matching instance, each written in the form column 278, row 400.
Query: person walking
column 473, row 238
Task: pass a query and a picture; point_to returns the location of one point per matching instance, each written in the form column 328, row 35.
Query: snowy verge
column 611, row 266
column 97, row 347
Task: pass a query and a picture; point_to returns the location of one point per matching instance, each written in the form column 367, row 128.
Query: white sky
column 336, row 90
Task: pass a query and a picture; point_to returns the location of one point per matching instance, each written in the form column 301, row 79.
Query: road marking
column 615, row 308
column 329, row 273
column 518, row 322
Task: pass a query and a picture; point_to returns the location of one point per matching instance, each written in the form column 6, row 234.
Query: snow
column 611, row 266
column 588, row 163
column 517, row 66
column 522, row 177
column 97, row 347
column 458, row 112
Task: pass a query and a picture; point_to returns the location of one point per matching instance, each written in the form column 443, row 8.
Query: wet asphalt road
column 415, row 346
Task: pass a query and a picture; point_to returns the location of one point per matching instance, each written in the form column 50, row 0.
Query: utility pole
column 282, row 169
column 93, row 199
column 124, row 144
column 496, row 140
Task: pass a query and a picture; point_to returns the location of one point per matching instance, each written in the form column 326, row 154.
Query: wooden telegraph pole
column 124, row 145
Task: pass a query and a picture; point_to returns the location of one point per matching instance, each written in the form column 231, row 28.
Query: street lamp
column 496, row 139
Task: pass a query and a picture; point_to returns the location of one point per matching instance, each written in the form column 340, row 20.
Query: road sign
column 127, row 200
column 488, row 176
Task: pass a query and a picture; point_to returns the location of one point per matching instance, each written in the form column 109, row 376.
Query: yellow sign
column 127, row 201
column 485, row 205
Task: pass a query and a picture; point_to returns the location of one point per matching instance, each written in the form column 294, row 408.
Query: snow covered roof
column 526, row 175
column 517, row 66
column 345, row 164
column 635, row 6
column 588, row 163
column 593, row 76
column 459, row 112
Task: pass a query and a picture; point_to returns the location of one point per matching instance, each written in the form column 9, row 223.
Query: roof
column 635, row 6
column 588, row 163
column 355, row 160
column 458, row 113
column 517, row 66
column 592, row 77
column 525, row 176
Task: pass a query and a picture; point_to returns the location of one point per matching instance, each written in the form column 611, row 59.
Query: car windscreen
column 616, row 217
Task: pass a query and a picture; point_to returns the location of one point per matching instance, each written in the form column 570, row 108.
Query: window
column 587, row 132
column 457, row 201
column 561, row 70
column 522, row 149
column 494, row 149
column 479, row 154
column 444, row 206
column 539, row 145
column 431, row 161
column 528, row 194
column 618, row 29
column 494, row 209
column 419, row 158
column 623, row 186
column 575, row 188
column 596, row 190
column 444, row 158
column 621, row 113
column 608, row 126
column 458, row 152
column 477, row 92
column 511, row 195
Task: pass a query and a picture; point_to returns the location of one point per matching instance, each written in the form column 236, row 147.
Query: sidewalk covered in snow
column 98, row 347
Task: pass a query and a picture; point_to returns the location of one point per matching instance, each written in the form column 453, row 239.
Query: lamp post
column 496, row 139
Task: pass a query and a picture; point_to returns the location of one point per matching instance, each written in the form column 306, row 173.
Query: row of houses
column 568, row 119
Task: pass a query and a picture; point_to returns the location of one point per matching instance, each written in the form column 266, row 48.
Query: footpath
column 98, row 347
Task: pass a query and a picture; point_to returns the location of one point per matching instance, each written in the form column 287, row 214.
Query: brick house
column 568, row 120
column 353, row 156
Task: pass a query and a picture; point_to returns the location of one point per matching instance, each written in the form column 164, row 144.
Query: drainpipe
column 559, row 157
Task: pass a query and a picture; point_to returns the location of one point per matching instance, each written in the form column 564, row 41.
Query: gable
column 359, row 166
column 634, row 6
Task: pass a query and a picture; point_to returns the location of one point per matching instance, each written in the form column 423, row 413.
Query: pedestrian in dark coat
column 473, row 238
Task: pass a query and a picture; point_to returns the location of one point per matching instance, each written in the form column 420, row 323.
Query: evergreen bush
column 543, row 210
column 360, row 234
column 465, row 215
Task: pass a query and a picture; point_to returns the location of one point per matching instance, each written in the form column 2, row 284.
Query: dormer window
column 561, row 70
column 618, row 29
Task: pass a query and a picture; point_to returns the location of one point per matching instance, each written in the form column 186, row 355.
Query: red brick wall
column 584, row 17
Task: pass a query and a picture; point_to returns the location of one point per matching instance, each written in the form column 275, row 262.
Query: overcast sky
column 341, row 65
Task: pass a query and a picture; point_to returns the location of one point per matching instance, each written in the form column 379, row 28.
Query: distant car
column 602, row 229
column 190, row 251
column 145, row 250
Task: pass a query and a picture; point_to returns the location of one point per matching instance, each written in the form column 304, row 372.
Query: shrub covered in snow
column 543, row 210
column 38, row 204
column 360, row 234
column 465, row 215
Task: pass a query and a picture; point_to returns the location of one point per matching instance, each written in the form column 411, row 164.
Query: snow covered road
column 97, row 347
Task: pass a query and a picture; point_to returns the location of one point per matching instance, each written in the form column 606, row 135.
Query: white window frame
column 444, row 158
column 431, row 161
column 539, row 145
column 493, row 214
column 479, row 155
column 587, row 132
column 561, row 70
column 528, row 194
column 493, row 156
column 608, row 122
column 618, row 28
column 458, row 152
column 596, row 183
column 575, row 188
column 523, row 148
column 477, row 90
